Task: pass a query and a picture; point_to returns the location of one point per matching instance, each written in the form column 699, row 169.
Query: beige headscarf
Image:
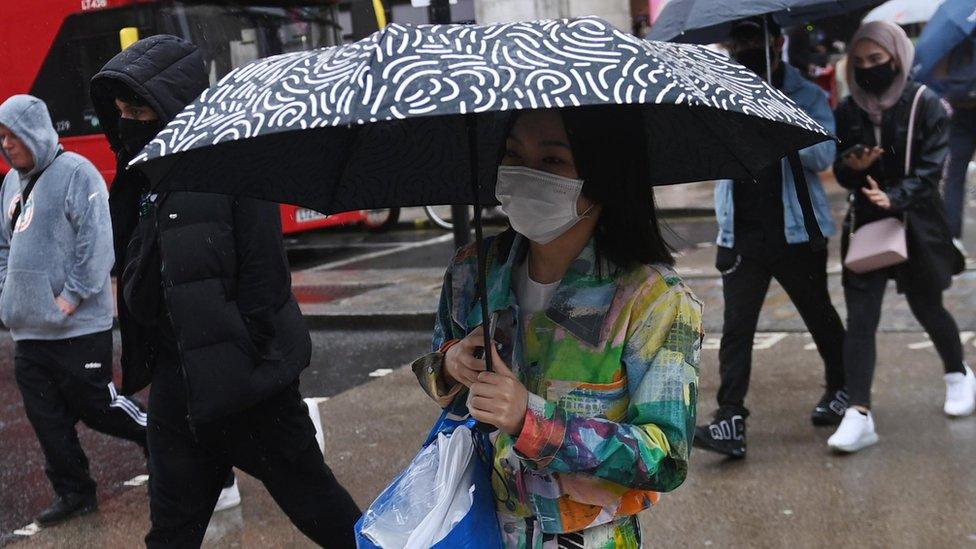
column 893, row 39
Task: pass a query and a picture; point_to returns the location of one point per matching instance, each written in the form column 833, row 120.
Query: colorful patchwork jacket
column 612, row 371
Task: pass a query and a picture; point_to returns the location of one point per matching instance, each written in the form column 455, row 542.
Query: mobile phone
column 856, row 150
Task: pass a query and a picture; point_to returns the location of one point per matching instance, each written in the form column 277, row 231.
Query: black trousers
column 803, row 274
column 274, row 442
column 864, row 295
column 62, row 382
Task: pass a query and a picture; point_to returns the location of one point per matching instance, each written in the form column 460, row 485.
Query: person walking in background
column 762, row 236
column 955, row 79
column 207, row 277
column 894, row 136
column 56, row 299
column 136, row 123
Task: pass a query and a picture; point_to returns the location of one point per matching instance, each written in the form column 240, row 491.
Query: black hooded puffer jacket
column 226, row 283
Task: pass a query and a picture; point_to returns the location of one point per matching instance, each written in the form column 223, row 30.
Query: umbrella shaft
column 769, row 68
column 472, row 123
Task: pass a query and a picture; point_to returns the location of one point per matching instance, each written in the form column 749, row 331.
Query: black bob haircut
column 610, row 150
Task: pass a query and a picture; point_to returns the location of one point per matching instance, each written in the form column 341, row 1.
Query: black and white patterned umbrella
column 385, row 121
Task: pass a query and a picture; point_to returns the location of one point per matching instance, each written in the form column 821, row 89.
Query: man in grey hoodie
column 56, row 299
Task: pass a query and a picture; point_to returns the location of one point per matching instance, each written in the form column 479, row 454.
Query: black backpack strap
column 817, row 240
column 26, row 194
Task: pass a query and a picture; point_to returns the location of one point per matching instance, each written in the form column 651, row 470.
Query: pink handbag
column 882, row 243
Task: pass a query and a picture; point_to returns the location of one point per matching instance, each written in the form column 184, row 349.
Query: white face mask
column 541, row 206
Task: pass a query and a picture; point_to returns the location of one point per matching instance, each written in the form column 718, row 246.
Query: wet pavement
column 916, row 488
column 370, row 299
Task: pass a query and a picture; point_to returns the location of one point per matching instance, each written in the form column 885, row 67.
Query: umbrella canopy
column 385, row 121
column 709, row 21
column 952, row 23
column 904, row 12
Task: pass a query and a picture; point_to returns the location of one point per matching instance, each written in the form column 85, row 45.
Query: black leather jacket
column 932, row 259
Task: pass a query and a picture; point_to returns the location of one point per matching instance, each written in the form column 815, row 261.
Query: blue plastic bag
column 397, row 505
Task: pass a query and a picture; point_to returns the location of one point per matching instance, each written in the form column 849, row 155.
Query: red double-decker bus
column 52, row 48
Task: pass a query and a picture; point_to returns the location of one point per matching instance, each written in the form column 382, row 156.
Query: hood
column 166, row 71
column 27, row 117
column 893, row 39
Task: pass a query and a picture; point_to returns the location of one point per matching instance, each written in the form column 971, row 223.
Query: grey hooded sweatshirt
column 62, row 244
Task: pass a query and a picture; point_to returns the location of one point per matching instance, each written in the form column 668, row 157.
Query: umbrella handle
column 471, row 121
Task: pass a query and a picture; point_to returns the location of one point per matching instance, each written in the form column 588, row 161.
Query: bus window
column 231, row 35
column 228, row 36
column 85, row 42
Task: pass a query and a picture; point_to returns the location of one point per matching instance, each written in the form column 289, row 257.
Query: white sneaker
column 856, row 431
column 229, row 497
column 960, row 393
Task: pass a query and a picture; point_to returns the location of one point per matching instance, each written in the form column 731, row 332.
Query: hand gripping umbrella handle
column 471, row 121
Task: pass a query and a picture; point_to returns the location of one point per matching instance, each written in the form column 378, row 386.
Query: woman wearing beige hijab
column 893, row 143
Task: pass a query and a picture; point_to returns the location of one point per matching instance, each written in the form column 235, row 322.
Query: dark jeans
column 803, row 274
column 273, row 441
column 864, row 296
column 962, row 146
column 62, row 382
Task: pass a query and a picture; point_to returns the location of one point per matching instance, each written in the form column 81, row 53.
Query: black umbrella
column 417, row 115
column 709, row 21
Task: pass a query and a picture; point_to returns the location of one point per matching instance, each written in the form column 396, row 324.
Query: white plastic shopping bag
column 429, row 499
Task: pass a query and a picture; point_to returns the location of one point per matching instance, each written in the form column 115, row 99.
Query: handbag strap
column 909, row 139
column 911, row 129
column 908, row 151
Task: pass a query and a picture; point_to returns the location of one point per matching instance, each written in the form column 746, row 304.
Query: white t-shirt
column 532, row 296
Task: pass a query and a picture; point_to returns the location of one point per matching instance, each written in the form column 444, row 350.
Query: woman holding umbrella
column 894, row 140
column 595, row 372
column 595, row 339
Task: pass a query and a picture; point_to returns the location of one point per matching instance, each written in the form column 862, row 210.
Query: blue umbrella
column 951, row 24
column 709, row 21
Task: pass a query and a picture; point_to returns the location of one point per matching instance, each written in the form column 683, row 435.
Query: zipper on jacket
column 169, row 317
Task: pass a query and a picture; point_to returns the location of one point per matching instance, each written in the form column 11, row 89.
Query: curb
column 357, row 321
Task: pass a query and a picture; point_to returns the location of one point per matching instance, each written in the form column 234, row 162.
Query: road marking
column 762, row 341
column 28, row 530
column 380, row 372
column 384, row 253
column 315, row 414
column 768, row 340
column 138, row 480
column 921, row 344
column 964, row 338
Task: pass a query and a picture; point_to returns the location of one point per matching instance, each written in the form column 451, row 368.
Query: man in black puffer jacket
column 211, row 322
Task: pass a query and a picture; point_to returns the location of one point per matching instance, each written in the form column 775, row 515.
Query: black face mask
column 754, row 59
column 876, row 79
column 136, row 134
